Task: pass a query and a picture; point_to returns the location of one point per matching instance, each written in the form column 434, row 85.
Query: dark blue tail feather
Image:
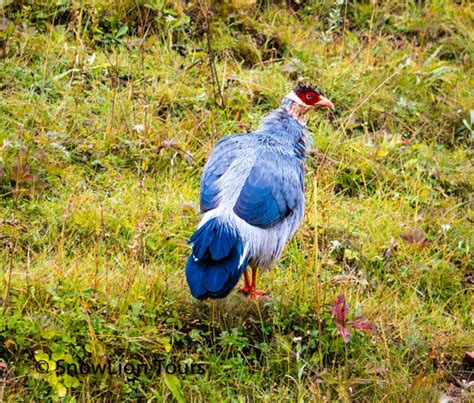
column 213, row 269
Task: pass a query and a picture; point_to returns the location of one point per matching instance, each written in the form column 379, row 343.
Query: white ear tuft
column 295, row 98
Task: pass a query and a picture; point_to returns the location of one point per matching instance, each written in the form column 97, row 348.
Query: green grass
column 107, row 115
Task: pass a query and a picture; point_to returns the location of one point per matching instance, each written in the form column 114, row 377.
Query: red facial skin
column 309, row 97
column 313, row 99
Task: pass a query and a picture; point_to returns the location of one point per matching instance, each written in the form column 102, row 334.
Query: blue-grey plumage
column 252, row 197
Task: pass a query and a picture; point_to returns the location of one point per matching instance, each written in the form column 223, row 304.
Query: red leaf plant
column 340, row 310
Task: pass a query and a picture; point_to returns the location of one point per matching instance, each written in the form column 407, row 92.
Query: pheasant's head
column 302, row 99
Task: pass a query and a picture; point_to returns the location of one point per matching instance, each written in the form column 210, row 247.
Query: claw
column 246, row 290
column 252, row 293
column 256, row 295
column 250, row 289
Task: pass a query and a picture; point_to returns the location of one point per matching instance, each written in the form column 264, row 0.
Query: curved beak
column 325, row 102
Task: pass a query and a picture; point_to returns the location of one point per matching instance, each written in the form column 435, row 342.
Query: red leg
column 246, row 278
column 246, row 289
column 256, row 293
column 250, row 289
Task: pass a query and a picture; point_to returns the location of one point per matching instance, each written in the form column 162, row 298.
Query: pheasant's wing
column 272, row 190
column 223, row 155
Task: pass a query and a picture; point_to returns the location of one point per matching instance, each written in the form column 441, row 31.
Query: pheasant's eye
column 309, row 96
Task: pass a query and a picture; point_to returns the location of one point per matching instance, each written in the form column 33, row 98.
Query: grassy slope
column 95, row 213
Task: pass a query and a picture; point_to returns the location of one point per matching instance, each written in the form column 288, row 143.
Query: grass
column 107, row 115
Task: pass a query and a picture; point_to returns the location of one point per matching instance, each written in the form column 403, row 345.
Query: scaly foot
column 257, row 295
column 250, row 288
column 252, row 294
column 246, row 290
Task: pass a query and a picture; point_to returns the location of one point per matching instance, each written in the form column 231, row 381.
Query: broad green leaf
column 121, row 31
column 40, row 355
column 61, row 389
column 174, row 385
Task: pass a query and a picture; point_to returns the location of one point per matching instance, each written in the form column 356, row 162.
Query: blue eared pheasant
column 252, row 197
